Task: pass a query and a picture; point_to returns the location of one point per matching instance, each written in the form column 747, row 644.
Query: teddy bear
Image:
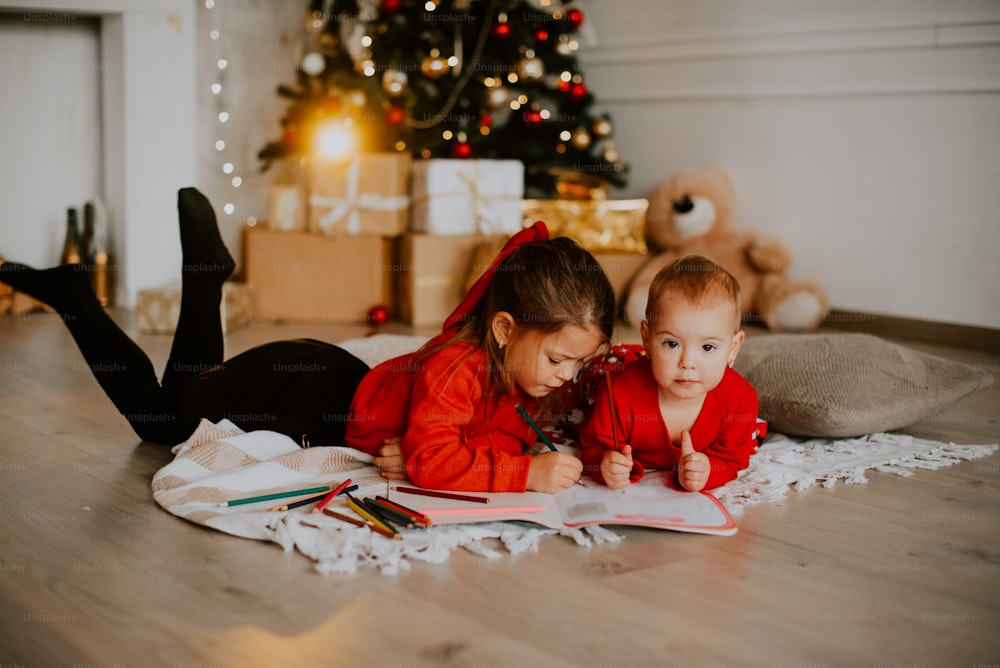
column 691, row 212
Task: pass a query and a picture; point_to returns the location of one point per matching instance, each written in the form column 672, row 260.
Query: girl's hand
column 693, row 468
column 551, row 472
column 389, row 460
column 616, row 467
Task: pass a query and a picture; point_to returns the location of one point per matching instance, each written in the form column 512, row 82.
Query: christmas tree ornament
column 394, row 82
column 565, row 45
column 501, row 28
column 497, row 96
column 378, row 315
column 530, row 68
column 610, row 153
column 578, row 91
column 581, row 138
column 395, row 115
column 542, row 35
column 533, row 117
column 356, row 100
column 602, row 127
column 575, row 18
column 313, row 63
column 389, row 5
column 434, row 66
column 461, row 150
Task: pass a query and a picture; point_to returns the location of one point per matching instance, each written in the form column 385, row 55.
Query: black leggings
column 301, row 388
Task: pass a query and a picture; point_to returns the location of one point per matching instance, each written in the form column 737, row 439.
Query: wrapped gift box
column 304, row 276
column 369, row 194
column 597, row 225
column 433, row 273
column 157, row 309
column 463, row 197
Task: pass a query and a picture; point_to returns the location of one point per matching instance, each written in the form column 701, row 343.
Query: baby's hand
column 693, row 468
column 551, row 472
column 616, row 467
column 389, row 460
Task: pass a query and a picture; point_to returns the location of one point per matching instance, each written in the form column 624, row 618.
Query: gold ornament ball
column 356, row 98
column 581, row 138
column 497, row 97
column 602, row 127
column 434, row 67
column 531, row 69
column 394, row 82
column 313, row 63
column 611, row 153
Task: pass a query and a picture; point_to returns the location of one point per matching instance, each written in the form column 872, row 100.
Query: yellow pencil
column 353, row 504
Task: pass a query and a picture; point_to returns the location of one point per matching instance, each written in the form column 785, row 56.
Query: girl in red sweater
column 526, row 327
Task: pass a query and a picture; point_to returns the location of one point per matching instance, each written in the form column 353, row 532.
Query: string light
column 227, row 167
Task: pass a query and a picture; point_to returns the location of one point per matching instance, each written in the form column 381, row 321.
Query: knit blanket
column 220, row 462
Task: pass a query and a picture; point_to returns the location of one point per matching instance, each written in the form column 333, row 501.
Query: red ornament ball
column 462, row 150
column 533, row 117
column 578, row 91
column 395, row 115
column 501, row 30
column 575, row 17
column 542, row 35
column 290, row 137
column 486, row 120
column 378, row 315
column 390, row 5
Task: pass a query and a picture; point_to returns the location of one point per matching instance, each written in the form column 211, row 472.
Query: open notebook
column 648, row 503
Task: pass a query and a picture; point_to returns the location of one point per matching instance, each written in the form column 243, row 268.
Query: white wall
column 147, row 85
column 865, row 135
column 50, row 131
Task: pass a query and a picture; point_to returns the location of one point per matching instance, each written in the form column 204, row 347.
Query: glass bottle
column 71, row 244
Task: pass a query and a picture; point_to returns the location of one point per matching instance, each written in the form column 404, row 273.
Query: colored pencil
column 442, row 495
column 538, row 430
column 417, row 516
column 312, row 498
column 357, row 507
column 276, row 495
column 361, row 523
column 329, row 497
column 386, row 514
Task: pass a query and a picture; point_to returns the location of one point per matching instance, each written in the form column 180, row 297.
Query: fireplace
column 148, row 80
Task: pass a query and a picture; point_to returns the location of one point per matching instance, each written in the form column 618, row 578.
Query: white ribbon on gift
column 350, row 207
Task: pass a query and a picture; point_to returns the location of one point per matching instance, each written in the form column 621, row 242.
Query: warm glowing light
column 565, row 135
column 222, row 64
column 366, row 40
column 512, row 77
column 220, row 145
column 401, row 145
column 335, row 142
column 229, row 208
column 545, row 114
column 216, row 88
column 237, row 181
column 446, row 135
column 214, row 34
column 227, row 168
column 223, row 116
column 453, row 61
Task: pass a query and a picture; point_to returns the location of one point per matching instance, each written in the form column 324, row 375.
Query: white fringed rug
column 221, row 462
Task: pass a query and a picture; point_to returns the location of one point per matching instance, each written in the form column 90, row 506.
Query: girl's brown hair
column 544, row 285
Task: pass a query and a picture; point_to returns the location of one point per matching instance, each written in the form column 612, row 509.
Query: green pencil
column 538, row 430
column 276, row 495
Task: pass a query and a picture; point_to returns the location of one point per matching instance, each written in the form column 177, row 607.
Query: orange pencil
column 360, row 523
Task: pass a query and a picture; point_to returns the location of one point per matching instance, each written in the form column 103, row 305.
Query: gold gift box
column 158, row 309
column 611, row 225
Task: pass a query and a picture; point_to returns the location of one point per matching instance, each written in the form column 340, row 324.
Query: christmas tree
column 491, row 79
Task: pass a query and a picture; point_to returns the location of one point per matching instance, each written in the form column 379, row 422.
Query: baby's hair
column 699, row 281
column 545, row 286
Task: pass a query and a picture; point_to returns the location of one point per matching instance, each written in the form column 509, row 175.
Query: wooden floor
column 898, row 572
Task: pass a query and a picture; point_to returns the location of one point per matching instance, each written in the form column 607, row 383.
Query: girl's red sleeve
column 449, row 441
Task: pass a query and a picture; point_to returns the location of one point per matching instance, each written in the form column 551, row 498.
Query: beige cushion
column 850, row 384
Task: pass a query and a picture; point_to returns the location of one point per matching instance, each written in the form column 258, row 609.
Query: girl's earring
column 731, row 363
column 501, row 344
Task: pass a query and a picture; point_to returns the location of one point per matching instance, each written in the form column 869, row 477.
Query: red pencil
column 329, row 497
column 442, row 495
